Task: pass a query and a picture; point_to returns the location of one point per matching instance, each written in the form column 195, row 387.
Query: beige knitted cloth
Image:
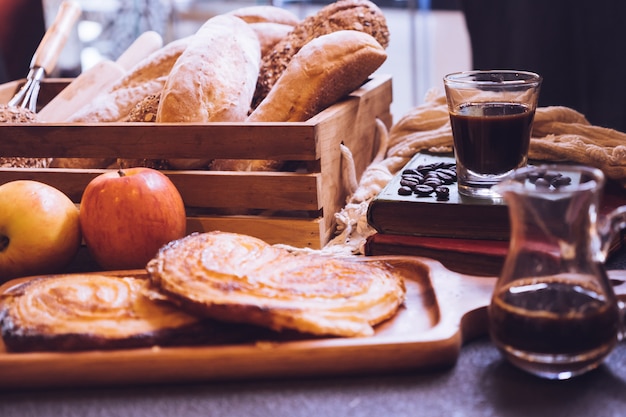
column 559, row 134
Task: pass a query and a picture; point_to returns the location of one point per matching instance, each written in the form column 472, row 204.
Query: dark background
column 576, row 45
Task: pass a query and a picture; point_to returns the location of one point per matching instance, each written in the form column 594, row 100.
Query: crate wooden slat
column 295, row 208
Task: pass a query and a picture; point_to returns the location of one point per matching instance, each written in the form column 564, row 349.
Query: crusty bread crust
column 214, row 78
column 321, row 73
column 270, row 34
column 360, row 15
column 265, row 13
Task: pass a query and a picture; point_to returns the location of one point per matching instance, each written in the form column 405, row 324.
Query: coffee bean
column 417, row 176
column 405, row 190
column 425, row 179
column 408, row 182
column 445, row 178
column 423, row 190
column 442, row 193
column 542, row 183
column 448, row 171
column 433, row 182
column 561, row 181
column 409, row 171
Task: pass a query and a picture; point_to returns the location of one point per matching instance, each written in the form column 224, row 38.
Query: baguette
column 361, row 15
column 320, row 74
column 146, row 78
column 213, row 80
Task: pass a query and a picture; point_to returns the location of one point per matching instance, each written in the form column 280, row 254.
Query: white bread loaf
column 361, row 15
column 320, row 74
column 214, row 79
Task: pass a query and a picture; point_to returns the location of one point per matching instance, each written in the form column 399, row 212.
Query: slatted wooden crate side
column 281, row 141
column 354, row 125
column 200, row 189
column 300, row 233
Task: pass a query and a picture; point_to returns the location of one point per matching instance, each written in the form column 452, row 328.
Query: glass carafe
column 553, row 312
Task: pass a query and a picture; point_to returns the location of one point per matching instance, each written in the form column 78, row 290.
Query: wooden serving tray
column 442, row 310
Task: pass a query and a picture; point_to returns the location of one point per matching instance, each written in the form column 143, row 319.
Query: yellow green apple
column 39, row 229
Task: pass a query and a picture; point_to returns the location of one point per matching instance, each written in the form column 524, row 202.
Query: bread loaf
column 146, row 78
column 265, row 13
column 360, row 15
column 270, row 34
column 214, row 78
column 270, row 23
column 320, row 74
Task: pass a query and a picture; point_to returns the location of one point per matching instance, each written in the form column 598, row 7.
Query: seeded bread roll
column 360, row 15
column 146, row 110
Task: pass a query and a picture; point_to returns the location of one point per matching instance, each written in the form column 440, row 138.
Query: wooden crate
column 295, row 208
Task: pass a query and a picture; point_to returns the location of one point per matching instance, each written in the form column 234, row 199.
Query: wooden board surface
column 443, row 309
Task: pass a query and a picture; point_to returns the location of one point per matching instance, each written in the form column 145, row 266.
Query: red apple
column 39, row 229
column 127, row 215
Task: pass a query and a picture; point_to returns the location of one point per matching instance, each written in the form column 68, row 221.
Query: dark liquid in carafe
column 491, row 138
column 552, row 317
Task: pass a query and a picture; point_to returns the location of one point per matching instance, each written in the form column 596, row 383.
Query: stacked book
column 466, row 235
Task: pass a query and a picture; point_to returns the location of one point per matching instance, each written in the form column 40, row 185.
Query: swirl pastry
column 238, row 278
column 83, row 311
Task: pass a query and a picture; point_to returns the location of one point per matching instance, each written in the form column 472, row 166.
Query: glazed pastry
column 85, row 311
column 238, row 278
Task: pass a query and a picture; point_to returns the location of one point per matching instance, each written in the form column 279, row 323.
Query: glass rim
column 596, row 176
column 519, row 77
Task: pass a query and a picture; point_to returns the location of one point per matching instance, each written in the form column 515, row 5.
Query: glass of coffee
column 491, row 114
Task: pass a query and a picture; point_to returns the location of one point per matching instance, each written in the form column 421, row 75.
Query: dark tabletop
column 481, row 383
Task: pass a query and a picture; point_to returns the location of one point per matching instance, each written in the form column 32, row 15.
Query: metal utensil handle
column 56, row 36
